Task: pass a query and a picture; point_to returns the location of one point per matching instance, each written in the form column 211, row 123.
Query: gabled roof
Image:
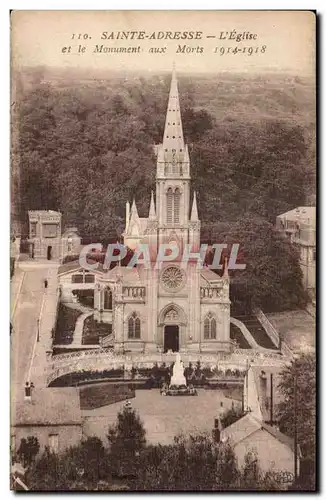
column 130, row 275
column 282, row 438
column 48, row 406
column 143, row 224
column 248, row 425
column 241, row 429
column 75, row 266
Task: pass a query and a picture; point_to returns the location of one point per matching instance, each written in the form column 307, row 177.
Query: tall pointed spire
column 152, row 213
column 226, row 268
column 194, row 211
column 127, row 215
column 133, row 213
column 173, row 134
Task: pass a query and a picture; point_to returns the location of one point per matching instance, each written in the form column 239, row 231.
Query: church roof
column 207, row 275
column 143, row 224
column 130, row 275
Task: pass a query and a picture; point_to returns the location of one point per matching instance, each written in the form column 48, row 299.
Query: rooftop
column 306, row 215
column 248, row 425
column 74, row 265
column 49, row 406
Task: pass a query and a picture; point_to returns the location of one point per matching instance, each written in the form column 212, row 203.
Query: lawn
column 65, row 326
column 102, row 394
column 94, row 330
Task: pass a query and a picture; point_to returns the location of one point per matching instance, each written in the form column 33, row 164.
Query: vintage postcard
column 163, row 250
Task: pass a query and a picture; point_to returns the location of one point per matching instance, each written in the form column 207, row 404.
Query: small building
column 70, row 242
column 258, row 430
column 52, row 415
column 299, row 225
column 44, row 234
column 275, row 450
column 72, row 278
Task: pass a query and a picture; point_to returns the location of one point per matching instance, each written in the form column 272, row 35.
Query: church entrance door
column 171, row 338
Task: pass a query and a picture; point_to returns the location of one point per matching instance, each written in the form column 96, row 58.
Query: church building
column 178, row 308
column 171, row 308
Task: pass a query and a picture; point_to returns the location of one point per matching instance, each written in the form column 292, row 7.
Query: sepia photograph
column 163, row 251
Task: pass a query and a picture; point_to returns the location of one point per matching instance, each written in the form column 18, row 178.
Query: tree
column 80, row 467
column 300, row 379
column 28, row 449
column 192, row 463
column 272, row 279
column 127, row 438
column 230, row 416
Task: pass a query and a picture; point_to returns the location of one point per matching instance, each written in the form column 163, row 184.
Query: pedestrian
column 27, row 392
column 45, row 283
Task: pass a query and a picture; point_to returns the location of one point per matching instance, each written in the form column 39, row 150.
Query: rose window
column 172, row 278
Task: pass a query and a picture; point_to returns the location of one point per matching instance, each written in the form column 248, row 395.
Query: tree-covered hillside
column 84, row 146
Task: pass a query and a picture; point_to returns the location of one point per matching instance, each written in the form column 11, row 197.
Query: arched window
column 134, row 326
column 169, row 206
column 210, row 327
column 107, row 299
column 177, row 206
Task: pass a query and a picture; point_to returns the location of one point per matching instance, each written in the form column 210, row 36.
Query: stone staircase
column 107, row 341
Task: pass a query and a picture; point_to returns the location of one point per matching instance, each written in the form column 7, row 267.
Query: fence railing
column 106, row 359
column 268, row 327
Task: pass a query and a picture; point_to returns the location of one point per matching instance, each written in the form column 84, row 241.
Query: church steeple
column 173, row 172
column 173, row 134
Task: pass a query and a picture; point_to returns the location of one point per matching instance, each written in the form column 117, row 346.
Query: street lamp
column 38, row 330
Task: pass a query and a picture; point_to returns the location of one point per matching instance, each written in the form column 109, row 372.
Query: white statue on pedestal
column 178, row 377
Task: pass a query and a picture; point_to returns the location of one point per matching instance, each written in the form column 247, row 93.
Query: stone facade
column 45, row 234
column 299, row 225
column 174, row 308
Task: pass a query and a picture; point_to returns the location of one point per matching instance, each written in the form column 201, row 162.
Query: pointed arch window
column 107, row 299
column 177, row 206
column 134, row 326
column 169, row 206
column 210, row 327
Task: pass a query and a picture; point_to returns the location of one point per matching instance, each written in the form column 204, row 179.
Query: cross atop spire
column 173, row 134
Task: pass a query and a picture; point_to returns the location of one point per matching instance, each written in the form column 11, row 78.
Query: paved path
column 78, row 333
column 163, row 416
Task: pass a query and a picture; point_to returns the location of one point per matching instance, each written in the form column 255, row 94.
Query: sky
column 44, row 38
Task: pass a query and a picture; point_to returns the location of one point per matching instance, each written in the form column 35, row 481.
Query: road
column 28, row 300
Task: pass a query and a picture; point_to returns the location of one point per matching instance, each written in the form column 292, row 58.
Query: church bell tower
column 173, row 178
